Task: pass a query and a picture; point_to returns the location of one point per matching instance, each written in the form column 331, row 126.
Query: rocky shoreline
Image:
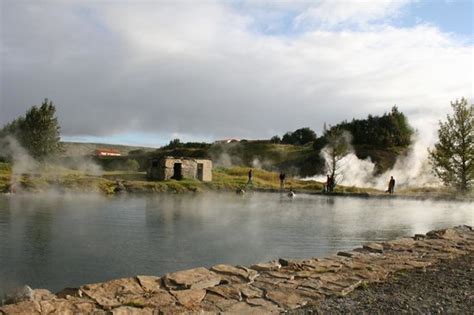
column 278, row 286
column 446, row 287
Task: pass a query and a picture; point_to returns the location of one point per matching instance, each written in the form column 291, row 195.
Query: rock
column 322, row 265
column 127, row 310
column 234, row 271
column 62, row 306
column 227, row 291
column 111, row 294
column 155, row 299
column 64, row 293
column 310, row 295
column 198, row 278
column 418, row 237
column 341, row 287
column 266, row 266
column 280, row 286
column 401, row 244
column 149, row 283
column 313, row 284
column 171, row 309
column 286, row 299
column 345, row 254
column 159, row 298
column 250, row 292
column 252, row 274
column 83, row 306
column 447, row 234
column 189, row 298
column 374, row 248
column 42, row 295
column 245, row 308
column 371, row 275
column 418, row 264
column 218, row 301
column 262, row 302
column 21, row 294
column 25, row 307
column 280, row 275
column 463, row 228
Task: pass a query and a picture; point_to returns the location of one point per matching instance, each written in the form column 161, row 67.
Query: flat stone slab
column 265, row 288
column 198, row 278
column 270, row 266
column 242, row 272
column 113, row 293
column 189, row 298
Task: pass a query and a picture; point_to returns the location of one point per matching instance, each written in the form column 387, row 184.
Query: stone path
column 271, row 287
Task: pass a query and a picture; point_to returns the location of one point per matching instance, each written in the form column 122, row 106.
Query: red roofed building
column 107, row 152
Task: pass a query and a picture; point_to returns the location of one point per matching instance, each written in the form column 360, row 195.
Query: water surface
column 55, row 241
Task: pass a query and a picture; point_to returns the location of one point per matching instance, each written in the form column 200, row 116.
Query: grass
column 224, row 179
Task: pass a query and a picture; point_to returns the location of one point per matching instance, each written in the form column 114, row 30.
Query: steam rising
column 23, row 163
column 410, row 170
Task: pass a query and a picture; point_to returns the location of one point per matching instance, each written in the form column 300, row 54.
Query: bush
column 131, row 165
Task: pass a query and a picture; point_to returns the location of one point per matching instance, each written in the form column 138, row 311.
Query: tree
column 338, row 146
column 304, row 135
column 175, row 143
column 287, row 138
column 275, row 139
column 390, row 129
column 300, row 136
column 37, row 131
column 453, row 156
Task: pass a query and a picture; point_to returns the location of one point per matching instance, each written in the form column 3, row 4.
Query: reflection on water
column 68, row 240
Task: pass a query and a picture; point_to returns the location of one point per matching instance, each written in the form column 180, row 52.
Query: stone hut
column 178, row 168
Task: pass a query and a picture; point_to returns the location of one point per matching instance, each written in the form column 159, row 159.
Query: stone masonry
column 177, row 168
column 271, row 287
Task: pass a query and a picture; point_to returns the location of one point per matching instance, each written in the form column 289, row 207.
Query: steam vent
column 272, row 287
column 179, row 168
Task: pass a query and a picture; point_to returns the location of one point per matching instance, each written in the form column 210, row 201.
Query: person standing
column 391, row 185
column 249, row 182
column 328, row 183
column 282, row 181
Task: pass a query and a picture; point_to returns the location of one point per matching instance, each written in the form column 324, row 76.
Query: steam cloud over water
column 410, row 170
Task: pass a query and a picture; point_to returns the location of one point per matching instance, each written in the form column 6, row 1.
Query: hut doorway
column 177, row 171
column 200, row 171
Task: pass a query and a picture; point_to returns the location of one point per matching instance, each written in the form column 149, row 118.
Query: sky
column 145, row 72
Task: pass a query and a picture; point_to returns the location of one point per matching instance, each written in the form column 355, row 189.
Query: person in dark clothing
column 250, row 177
column 331, row 184
column 328, row 183
column 391, row 185
column 282, row 180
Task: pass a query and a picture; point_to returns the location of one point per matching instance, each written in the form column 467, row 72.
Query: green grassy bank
column 224, row 179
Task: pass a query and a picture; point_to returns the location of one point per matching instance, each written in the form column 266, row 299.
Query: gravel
column 444, row 288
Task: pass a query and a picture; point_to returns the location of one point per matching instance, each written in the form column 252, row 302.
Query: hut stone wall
column 178, row 168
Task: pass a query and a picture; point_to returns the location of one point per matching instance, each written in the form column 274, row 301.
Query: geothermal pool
column 55, row 241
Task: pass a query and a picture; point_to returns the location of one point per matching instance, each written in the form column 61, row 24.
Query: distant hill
column 81, row 149
column 296, row 160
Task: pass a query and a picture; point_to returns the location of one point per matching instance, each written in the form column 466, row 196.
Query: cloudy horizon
column 144, row 72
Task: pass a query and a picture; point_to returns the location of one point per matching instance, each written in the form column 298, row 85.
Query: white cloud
column 331, row 13
column 203, row 70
